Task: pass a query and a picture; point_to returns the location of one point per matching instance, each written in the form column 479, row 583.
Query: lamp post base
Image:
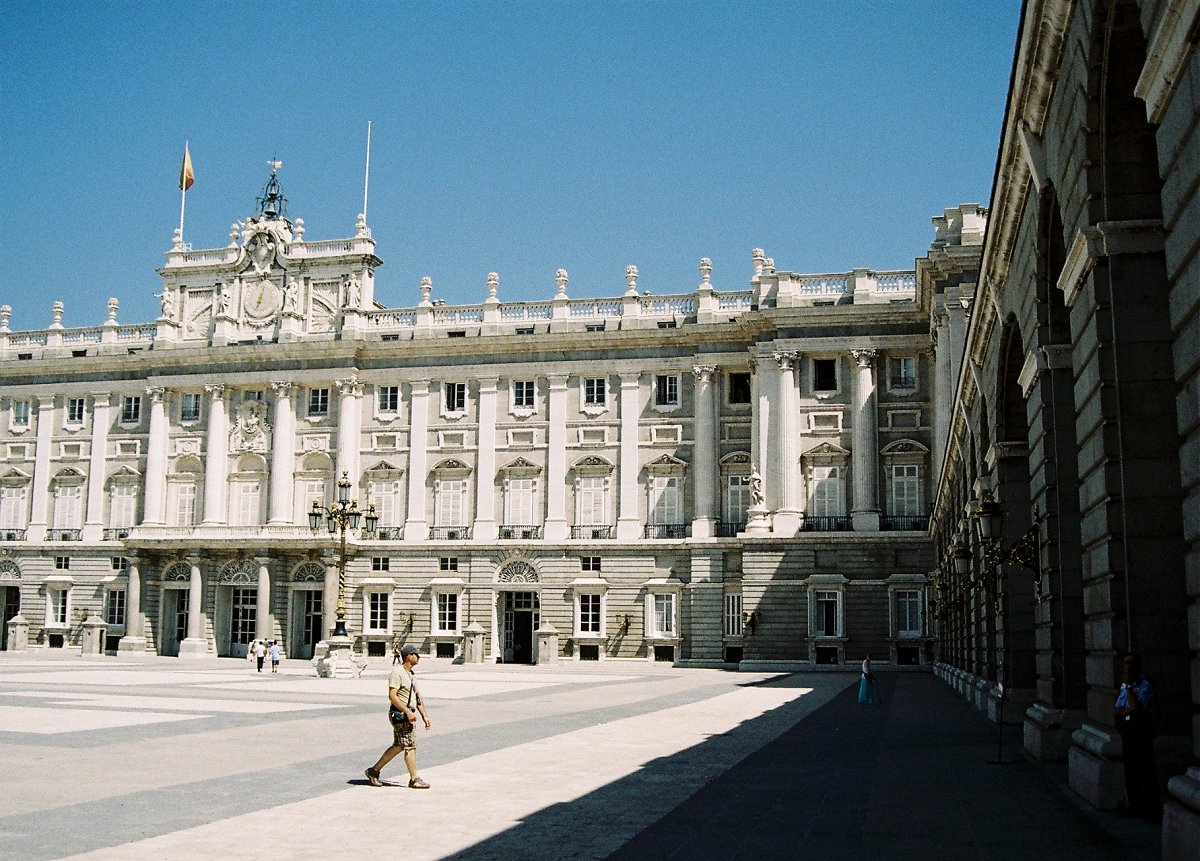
column 335, row 658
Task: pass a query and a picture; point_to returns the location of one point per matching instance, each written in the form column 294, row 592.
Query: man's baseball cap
column 410, row 649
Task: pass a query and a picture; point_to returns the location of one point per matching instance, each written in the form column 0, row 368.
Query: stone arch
column 239, row 572
column 517, row 571
column 308, row 572
column 9, row 571
column 177, row 572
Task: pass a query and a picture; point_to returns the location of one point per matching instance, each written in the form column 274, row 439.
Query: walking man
column 259, row 651
column 406, row 704
column 276, row 653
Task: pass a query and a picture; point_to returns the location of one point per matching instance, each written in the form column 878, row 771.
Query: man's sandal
column 373, row 777
column 417, row 783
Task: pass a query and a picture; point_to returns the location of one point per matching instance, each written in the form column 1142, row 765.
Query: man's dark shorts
column 403, row 736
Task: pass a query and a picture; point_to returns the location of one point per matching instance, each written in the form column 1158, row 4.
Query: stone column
column 40, row 512
column 416, row 526
column 194, row 646
column 787, row 519
column 629, row 524
column 283, row 456
column 485, row 528
column 216, row 462
column 329, row 596
column 155, row 492
column 758, row 521
column 865, row 510
column 263, row 629
column 943, row 393
column 135, row 626
column 706, row 517
column 93, row 526
column 557, row 528
column 348, row 441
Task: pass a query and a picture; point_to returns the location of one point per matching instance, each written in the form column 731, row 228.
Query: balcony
column 730, row 528
column 12, row 534
column 523, row 533
column 592, row 532
column 827, row 523
column 904, row 522
column 449, row 533
column 64, row 534
column 384, row 533
column 902, row 382
column 665, row 530
column 117, row 533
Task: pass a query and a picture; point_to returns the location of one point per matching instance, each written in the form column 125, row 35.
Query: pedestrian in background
column 1135, row 714
column 276, row 654
column 866, row 690
column 258, row 651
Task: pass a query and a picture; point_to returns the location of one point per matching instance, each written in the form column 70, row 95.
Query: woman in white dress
column 866, row 690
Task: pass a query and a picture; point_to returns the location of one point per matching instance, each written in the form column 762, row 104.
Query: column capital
column 350, row 386
column 864, row 358
column 419, row 387
column 558, row 381
column 630, row 379
column 156, row 393
column 703, row 373
column 102, row 399
column 282, row 388
column 215, row 390
column 785, row 360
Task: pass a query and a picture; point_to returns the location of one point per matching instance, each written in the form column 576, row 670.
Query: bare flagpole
column 367, row 171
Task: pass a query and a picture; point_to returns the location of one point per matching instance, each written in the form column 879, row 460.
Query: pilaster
column 629, row 525
column 557, row 528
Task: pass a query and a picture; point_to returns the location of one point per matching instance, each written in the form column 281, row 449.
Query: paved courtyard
column 153, row 758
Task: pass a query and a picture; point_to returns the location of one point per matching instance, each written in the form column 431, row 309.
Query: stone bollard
column 92, row 636
column 547, row 636
column 18, row 634
column 473, row 652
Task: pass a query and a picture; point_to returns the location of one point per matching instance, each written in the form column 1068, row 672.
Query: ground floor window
column 114, row 607
column 733, row 614
column 244, row 616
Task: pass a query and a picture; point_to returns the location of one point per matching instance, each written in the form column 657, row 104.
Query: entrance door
column 308, row 611
column 12, row 605
column 175, row 620
column 242, row 620
column 521, row 610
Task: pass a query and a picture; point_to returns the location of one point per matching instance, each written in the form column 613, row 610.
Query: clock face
column 260, row 300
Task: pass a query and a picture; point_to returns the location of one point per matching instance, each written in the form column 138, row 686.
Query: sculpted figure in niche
column 168, row 304
column 353, row 292
column 289, row 296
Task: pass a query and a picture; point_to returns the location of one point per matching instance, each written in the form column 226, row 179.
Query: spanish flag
column 186, row 176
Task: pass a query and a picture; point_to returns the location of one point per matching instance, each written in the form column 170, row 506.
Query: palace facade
column 707, row 477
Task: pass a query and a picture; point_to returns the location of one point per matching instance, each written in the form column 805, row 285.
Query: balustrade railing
column 12, row 534
column 525, row 533
column 896, row 282
column 592, row 532
column 449, row 533
column 116, row 533
column 64, row 535
column 526, row 311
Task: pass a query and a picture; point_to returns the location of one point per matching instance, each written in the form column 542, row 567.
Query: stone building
column 703, row 477
column 1077, row 413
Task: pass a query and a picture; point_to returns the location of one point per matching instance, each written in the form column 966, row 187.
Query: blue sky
column 514, row 137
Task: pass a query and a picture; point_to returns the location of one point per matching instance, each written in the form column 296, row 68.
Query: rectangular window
column 131, row 409
column 665, row 500
column 58, row 606
column 189, row 407
column 906, row 489
column 20, row 413
column 451, row 510
column 519, row 502
column 525, row 330
column 592, row 504
column 75, row 410
column 247, row 503
column 381, row 563
column 455, row 397
column 119, row 563
column 664, row 614
column 739, row 388
column 593, row 327
column 737, row 498
column 595, row 393
column 68, row 513
column 253, row 395
column 589, row 563
column 62, row 563
column 902, row 372
column 114, row 607
column 122, row 507
column 523, row 394
column 389, row 398
column 448, row 563
column 318, row 403
column 826, row 498
column 12, row 507
column 666, row 324
column 908, row 613
column 378, row 607
column 733, row 615
column 824, row 375
column 447, row 612
column 666, row 390
column 589, row 613
column 385, row 496
column 825, row 607
column 184, row 503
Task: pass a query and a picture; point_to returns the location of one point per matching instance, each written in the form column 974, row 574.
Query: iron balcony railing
column 827, row 523
column 384, row 533
column 64, row 535
column 12, row 534
column 595, row 532
column 116, row 533
column 665, row 530
column 904, row 522
column 730, row 528
column 525, row 533
column 449, row 533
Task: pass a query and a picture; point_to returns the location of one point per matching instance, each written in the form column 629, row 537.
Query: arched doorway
column 517, row 612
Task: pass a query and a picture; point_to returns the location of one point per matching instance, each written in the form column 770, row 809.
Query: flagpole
column 367, row 171
column 182, row 193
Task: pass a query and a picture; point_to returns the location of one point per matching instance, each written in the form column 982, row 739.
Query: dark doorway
column 520, row 621
column 11, row 606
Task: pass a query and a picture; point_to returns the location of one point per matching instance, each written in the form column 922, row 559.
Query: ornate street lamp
column 339, row 517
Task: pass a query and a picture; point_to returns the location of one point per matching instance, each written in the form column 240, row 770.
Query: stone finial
column 705, row 271
column 57, row 310
column 769, row 265
column 177, row 240
column 5, row 314
column 560, row 278
column 426, row 289
column 759, row 258
column 360, row 224
column 298, row 232
column 113, row 307
column 631, row 277
column 233, row 234
column 493, row 284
